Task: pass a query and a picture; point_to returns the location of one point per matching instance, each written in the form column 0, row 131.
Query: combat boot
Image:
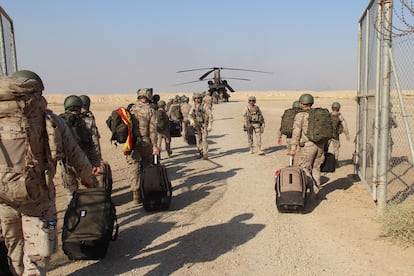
column 260, row 152
column 251, row 150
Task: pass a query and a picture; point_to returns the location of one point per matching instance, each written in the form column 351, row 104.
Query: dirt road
column 223, row 219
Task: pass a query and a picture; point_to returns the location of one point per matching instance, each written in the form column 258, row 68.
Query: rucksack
column 117, row 126
column 176, row 112
column 286, row 125
column 79, row 129
column 319, row 125
column 24, row 151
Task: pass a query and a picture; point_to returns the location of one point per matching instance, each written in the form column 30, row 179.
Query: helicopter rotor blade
column 198, row 69
column 248, row 70
column 236, row 78
column 177, row 84
column 206, row 74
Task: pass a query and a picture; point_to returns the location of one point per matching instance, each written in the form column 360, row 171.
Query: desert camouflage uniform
column 334, row 143
column 311, row 154
column 255, row 126
column 185, row 110
column 164, row 134
column 146, row 121
column 22, row 223
column 202, row 119
column 208, row 100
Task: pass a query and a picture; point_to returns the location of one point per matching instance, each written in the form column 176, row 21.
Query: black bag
column 291, row 185
column 175, row 129
column 105, row 178
column 89, row 225
column 329, row 165
column 4, row 261
column 190, row 135
column 155, row 187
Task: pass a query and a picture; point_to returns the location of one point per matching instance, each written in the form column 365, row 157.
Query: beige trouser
column 311, row 158
column 201, row 139
column 333, row 147
column 165, row 135
column 21, row 228
column 257, row 130
column 140, row 157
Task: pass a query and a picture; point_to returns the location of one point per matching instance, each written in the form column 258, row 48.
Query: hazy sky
column 98, row 46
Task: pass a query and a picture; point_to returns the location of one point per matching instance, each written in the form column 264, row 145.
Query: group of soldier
column 309, row 155
column 78, row 154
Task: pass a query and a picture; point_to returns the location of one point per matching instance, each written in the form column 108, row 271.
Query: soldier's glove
column 209, row 128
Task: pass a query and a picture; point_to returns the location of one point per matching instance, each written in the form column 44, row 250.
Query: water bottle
column 47, row 238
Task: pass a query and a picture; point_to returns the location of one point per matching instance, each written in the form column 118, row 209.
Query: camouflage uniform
column 185, row 110
column 334, row 143
column 311, row 154
column 201, row 119
column 253, row 121
column 142, row 154
column 164, row 131
column 22, row 223
column 69, row 176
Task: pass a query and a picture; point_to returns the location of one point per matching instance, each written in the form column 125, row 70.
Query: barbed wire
column 404, row 14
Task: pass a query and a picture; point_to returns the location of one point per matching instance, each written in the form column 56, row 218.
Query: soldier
column 208, row 100
column 311, row 154
column 253, row 122
column 29, row 226
column 175, row 111
column 145, row 147
column 90, row 122
column 288, row 116
column 185, row 110
column 201, row 120
column 85, row 132
column 339, row 127
column 163, row 127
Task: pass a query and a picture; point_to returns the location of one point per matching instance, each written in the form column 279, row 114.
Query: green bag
column 320, row 128
column 286, row 125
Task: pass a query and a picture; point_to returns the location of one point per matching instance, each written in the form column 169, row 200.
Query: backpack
column 163, row 123
column 176, row 112
column 24, row 151
column 286, row 125
column 337, row 126
column 117, row 126
column 320, row 128
column 79, row 129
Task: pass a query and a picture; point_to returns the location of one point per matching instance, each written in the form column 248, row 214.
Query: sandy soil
column 223, row 219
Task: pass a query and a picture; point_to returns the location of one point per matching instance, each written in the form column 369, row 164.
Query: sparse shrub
column 398, row 222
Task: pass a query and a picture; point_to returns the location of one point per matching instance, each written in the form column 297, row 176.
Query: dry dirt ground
column 223, row 219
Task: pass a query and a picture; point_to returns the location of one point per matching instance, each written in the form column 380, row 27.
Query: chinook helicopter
column 217, row 86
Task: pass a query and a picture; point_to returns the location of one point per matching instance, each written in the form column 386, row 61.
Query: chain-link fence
column 7, row 45
column 384, row 156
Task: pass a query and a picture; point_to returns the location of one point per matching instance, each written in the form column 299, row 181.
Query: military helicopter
column 217, row 86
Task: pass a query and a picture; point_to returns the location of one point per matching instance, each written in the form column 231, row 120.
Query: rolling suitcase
column 155, row 187
column 175, row 129
column 291, row 184
column 190, row 135
column 90, row 223
column 329, row 165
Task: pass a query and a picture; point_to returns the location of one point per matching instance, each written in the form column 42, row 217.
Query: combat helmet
column 29, row 75
column 336, row 106
column 145, row 93
column 306, row 99
column 296, row 105
column 86, row 101
column 162, row 103
column 252, row 98
column 197, row 96
column 72, row 103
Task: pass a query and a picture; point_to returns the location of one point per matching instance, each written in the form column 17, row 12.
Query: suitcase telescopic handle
column 155, row 160
column 290, row 160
